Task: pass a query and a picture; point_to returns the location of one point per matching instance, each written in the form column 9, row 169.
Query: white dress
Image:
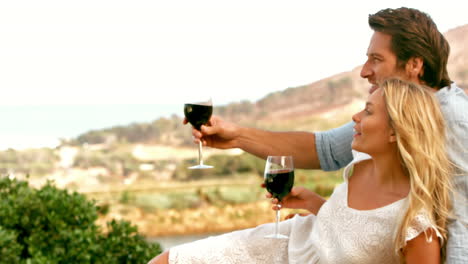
column 338, row 234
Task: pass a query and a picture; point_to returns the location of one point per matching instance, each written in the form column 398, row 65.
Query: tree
column 50, row 225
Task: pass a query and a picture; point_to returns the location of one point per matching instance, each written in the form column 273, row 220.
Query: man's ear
column 415, row 68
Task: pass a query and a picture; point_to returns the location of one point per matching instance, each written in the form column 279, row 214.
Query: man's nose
column 365, row 71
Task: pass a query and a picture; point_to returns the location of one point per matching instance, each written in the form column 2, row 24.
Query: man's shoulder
column 452, row 93
column 454, row 103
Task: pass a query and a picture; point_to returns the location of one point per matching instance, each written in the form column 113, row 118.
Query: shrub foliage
column 49, row 225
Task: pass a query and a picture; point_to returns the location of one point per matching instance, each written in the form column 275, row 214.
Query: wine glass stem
column 200, row 153
column 278, row 216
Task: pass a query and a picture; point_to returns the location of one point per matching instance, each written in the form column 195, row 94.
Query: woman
column 392, row 207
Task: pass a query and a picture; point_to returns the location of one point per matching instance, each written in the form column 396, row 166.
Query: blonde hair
column 419, row 127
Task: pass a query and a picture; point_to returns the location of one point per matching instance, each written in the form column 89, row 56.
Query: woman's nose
column 356, row 117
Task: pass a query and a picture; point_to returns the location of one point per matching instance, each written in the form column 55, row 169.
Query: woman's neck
column 389, row 173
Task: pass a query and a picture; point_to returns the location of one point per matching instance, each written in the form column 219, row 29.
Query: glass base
column 277, row 236
column 201, row 166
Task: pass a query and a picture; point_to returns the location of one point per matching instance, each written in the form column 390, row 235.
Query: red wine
column 198, row 115
column 279, row 182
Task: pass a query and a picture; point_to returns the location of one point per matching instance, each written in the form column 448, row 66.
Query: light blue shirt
column 334, row 152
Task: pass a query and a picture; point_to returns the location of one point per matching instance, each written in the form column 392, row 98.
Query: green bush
column 10, row 250
column 50, row 225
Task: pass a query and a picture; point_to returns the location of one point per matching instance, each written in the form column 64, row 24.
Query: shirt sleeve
column 420, row 224
column 334, row 147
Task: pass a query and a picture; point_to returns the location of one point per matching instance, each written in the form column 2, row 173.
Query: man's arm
column 329, row 150
column 261, row 143
column 300, row 145
column 334, row 147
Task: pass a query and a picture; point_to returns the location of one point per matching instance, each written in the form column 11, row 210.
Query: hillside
column 340, row 91
column 318, row 105
column 457, row 65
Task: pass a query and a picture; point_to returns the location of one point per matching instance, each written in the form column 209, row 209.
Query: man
column 406, row 44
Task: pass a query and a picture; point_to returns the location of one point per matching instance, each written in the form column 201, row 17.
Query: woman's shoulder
column 360, row 162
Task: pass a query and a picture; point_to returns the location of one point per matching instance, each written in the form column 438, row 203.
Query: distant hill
column 337, row 91
column 458, row 60
column 318, row 105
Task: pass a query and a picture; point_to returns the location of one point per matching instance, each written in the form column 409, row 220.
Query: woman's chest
column 346, row 235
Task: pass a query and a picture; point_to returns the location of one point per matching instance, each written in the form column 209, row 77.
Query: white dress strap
column 357, row 157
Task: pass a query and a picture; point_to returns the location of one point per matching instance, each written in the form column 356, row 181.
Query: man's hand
column 217, row 133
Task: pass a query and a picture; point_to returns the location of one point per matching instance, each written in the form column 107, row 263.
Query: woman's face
column 373, row 133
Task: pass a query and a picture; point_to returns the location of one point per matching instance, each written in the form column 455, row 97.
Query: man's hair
column 415, row 35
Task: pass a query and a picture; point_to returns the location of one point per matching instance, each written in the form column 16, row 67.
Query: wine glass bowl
column 197, row 114
column 279, row 180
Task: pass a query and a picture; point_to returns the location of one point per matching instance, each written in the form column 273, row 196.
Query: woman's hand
column 299, row 198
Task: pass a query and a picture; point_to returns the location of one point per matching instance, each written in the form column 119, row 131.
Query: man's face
column 381, row 61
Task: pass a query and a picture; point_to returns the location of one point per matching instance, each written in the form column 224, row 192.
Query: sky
column 165, row 52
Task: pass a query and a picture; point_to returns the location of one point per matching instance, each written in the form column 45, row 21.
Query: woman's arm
column 419, row 250
column 300, row 198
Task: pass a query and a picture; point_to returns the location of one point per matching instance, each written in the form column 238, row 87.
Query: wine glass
column 279, row 180
column 198, row 113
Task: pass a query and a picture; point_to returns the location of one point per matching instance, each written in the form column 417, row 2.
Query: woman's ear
column 392, row 137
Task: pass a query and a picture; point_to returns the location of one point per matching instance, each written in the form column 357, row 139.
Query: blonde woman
column 391, row 208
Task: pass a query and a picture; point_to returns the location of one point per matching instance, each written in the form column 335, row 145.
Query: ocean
column 33, row 126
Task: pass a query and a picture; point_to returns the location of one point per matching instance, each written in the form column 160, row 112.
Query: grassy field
column 203, row 206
